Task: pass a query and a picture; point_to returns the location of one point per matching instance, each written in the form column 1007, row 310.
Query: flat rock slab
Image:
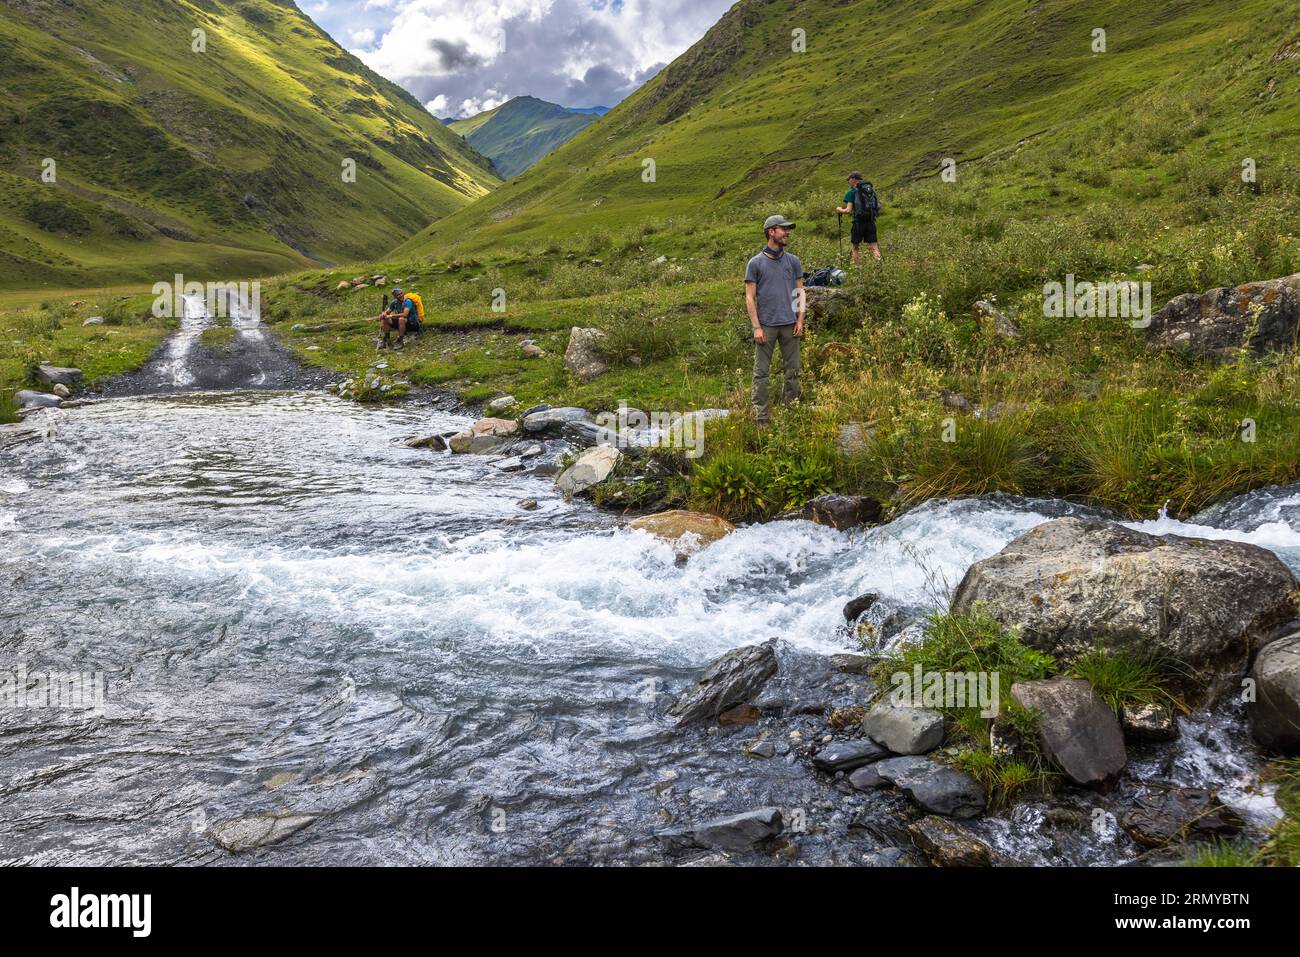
column 591, row 468
column 848, row 755
column 546, row 419
column 1077, row 731
column 904, row 730
column 262, row 830
column 1166, row 815
column 936, row 787
column 686, row 531
column 946, row 844
column 27, row 399
column 739, row 832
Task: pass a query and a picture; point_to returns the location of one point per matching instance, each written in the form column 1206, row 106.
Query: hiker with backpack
column 861, row 200
column 775, row 300
column 403, row 314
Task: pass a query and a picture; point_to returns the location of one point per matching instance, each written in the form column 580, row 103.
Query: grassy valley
column 520, row 132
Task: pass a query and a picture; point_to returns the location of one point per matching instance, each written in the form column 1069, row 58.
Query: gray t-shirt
column 774, row 287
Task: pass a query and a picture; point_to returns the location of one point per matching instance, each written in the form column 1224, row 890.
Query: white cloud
column 437, row 106
column 476, row 52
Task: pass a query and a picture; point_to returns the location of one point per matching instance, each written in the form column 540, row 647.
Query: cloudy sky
column 464, row 56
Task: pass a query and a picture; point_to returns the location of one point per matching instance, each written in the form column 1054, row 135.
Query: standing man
column 861, row 201
column 775, row 299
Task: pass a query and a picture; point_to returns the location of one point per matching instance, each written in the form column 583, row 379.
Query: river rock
column 1215, row 324
column 485, row 435
column 532, row 351
column 936, row 787
column 547, row 419
column 261, row 830
column 904, row 730
column 27, row 399
column 946, row 844
column 733, row 679
column 866, row 778
column 501, row 404
column 1163, row 815
column 94, row 321
column 585, row 434
column 591, row 468
column 527, row 504
column 59, row 375
column 852, row 664
column 686, row 531
column 853, row 610
column 61, row 390
column 841, row 511
column 1076, row 730
column 1072, row 584
column 583, row 358
column 739, row 832
column 1275, row 712
column 847, row 755
column 1148, row 722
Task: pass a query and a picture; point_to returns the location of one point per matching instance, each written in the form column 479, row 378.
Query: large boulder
column 936, row 787
column 733, row 679
column 686, row 531
column 485, row 435
column 590, row 468
column 583, row 357
column 1073, row 584
column 59, row 375
column 823, row 303
column 547, row 419
column 1275, row 712
column 1077, row 731
column 1262, row 316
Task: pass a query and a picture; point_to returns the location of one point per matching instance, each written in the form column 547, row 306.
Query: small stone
column 761, row 749
column 904, row 730
column 866, row 778
column 1148, row 722
column 741, row 714
column 528, row 504
column 847, row 755
column 949, row 845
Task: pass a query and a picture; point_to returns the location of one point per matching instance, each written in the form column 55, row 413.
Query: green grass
column 521, row 131
column 1128, row 679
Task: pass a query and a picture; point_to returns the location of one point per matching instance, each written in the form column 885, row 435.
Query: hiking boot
column 401, row 343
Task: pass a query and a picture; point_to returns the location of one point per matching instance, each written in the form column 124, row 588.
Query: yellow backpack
column 419, row 303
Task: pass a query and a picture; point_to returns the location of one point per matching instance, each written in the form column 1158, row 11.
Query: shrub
column 732, row 484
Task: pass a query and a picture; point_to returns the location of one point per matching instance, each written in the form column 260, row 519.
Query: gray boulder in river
column 1077, row 731
column 27, row 399
column 1072, row 584
column 59, row 375
column 1275, row 712
column 733, row 679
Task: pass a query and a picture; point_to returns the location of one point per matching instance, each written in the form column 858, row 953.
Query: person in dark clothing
column 401, row 315
column 864, row 227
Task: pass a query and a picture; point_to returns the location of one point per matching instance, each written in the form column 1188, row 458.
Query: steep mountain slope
column 227, row 159
column 741, row 122
column 521, row 131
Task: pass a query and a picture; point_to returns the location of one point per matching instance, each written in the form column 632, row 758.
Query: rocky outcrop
column 1260, row 316
column 1073, row 584
column 904, row 730
column 1275, row 712
column 591, row 468
column 485, row 435
column 733, row 679
column 936, row 787
column 583, row 357
column 946, row 844
column 989, row 315
column 686, row 531
column 1077, row 731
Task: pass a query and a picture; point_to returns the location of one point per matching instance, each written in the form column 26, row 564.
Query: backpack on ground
column 866, row 204
column 419, row 304
column 826, row 276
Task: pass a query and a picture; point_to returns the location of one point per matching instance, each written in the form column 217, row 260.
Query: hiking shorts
column 864, row 231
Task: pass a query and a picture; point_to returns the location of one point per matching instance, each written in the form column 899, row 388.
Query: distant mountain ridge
column 521, row 131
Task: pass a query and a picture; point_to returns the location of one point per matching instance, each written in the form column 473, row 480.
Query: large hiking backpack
column 826, row 276
column 866, row 204
column 419, row 304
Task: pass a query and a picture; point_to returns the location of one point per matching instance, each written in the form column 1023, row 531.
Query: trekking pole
column 839, row 219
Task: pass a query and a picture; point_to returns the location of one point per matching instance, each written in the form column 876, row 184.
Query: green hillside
column 521, row 131
column 1011, row 90
column 228, row 160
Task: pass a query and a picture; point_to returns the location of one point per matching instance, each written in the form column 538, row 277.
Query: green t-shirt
column 848, row 197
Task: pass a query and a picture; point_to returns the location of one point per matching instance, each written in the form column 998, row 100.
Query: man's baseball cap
column 776, row 221
column 855, row 175
column 397, row 292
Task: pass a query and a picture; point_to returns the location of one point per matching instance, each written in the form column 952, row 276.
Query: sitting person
column 402, row 315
